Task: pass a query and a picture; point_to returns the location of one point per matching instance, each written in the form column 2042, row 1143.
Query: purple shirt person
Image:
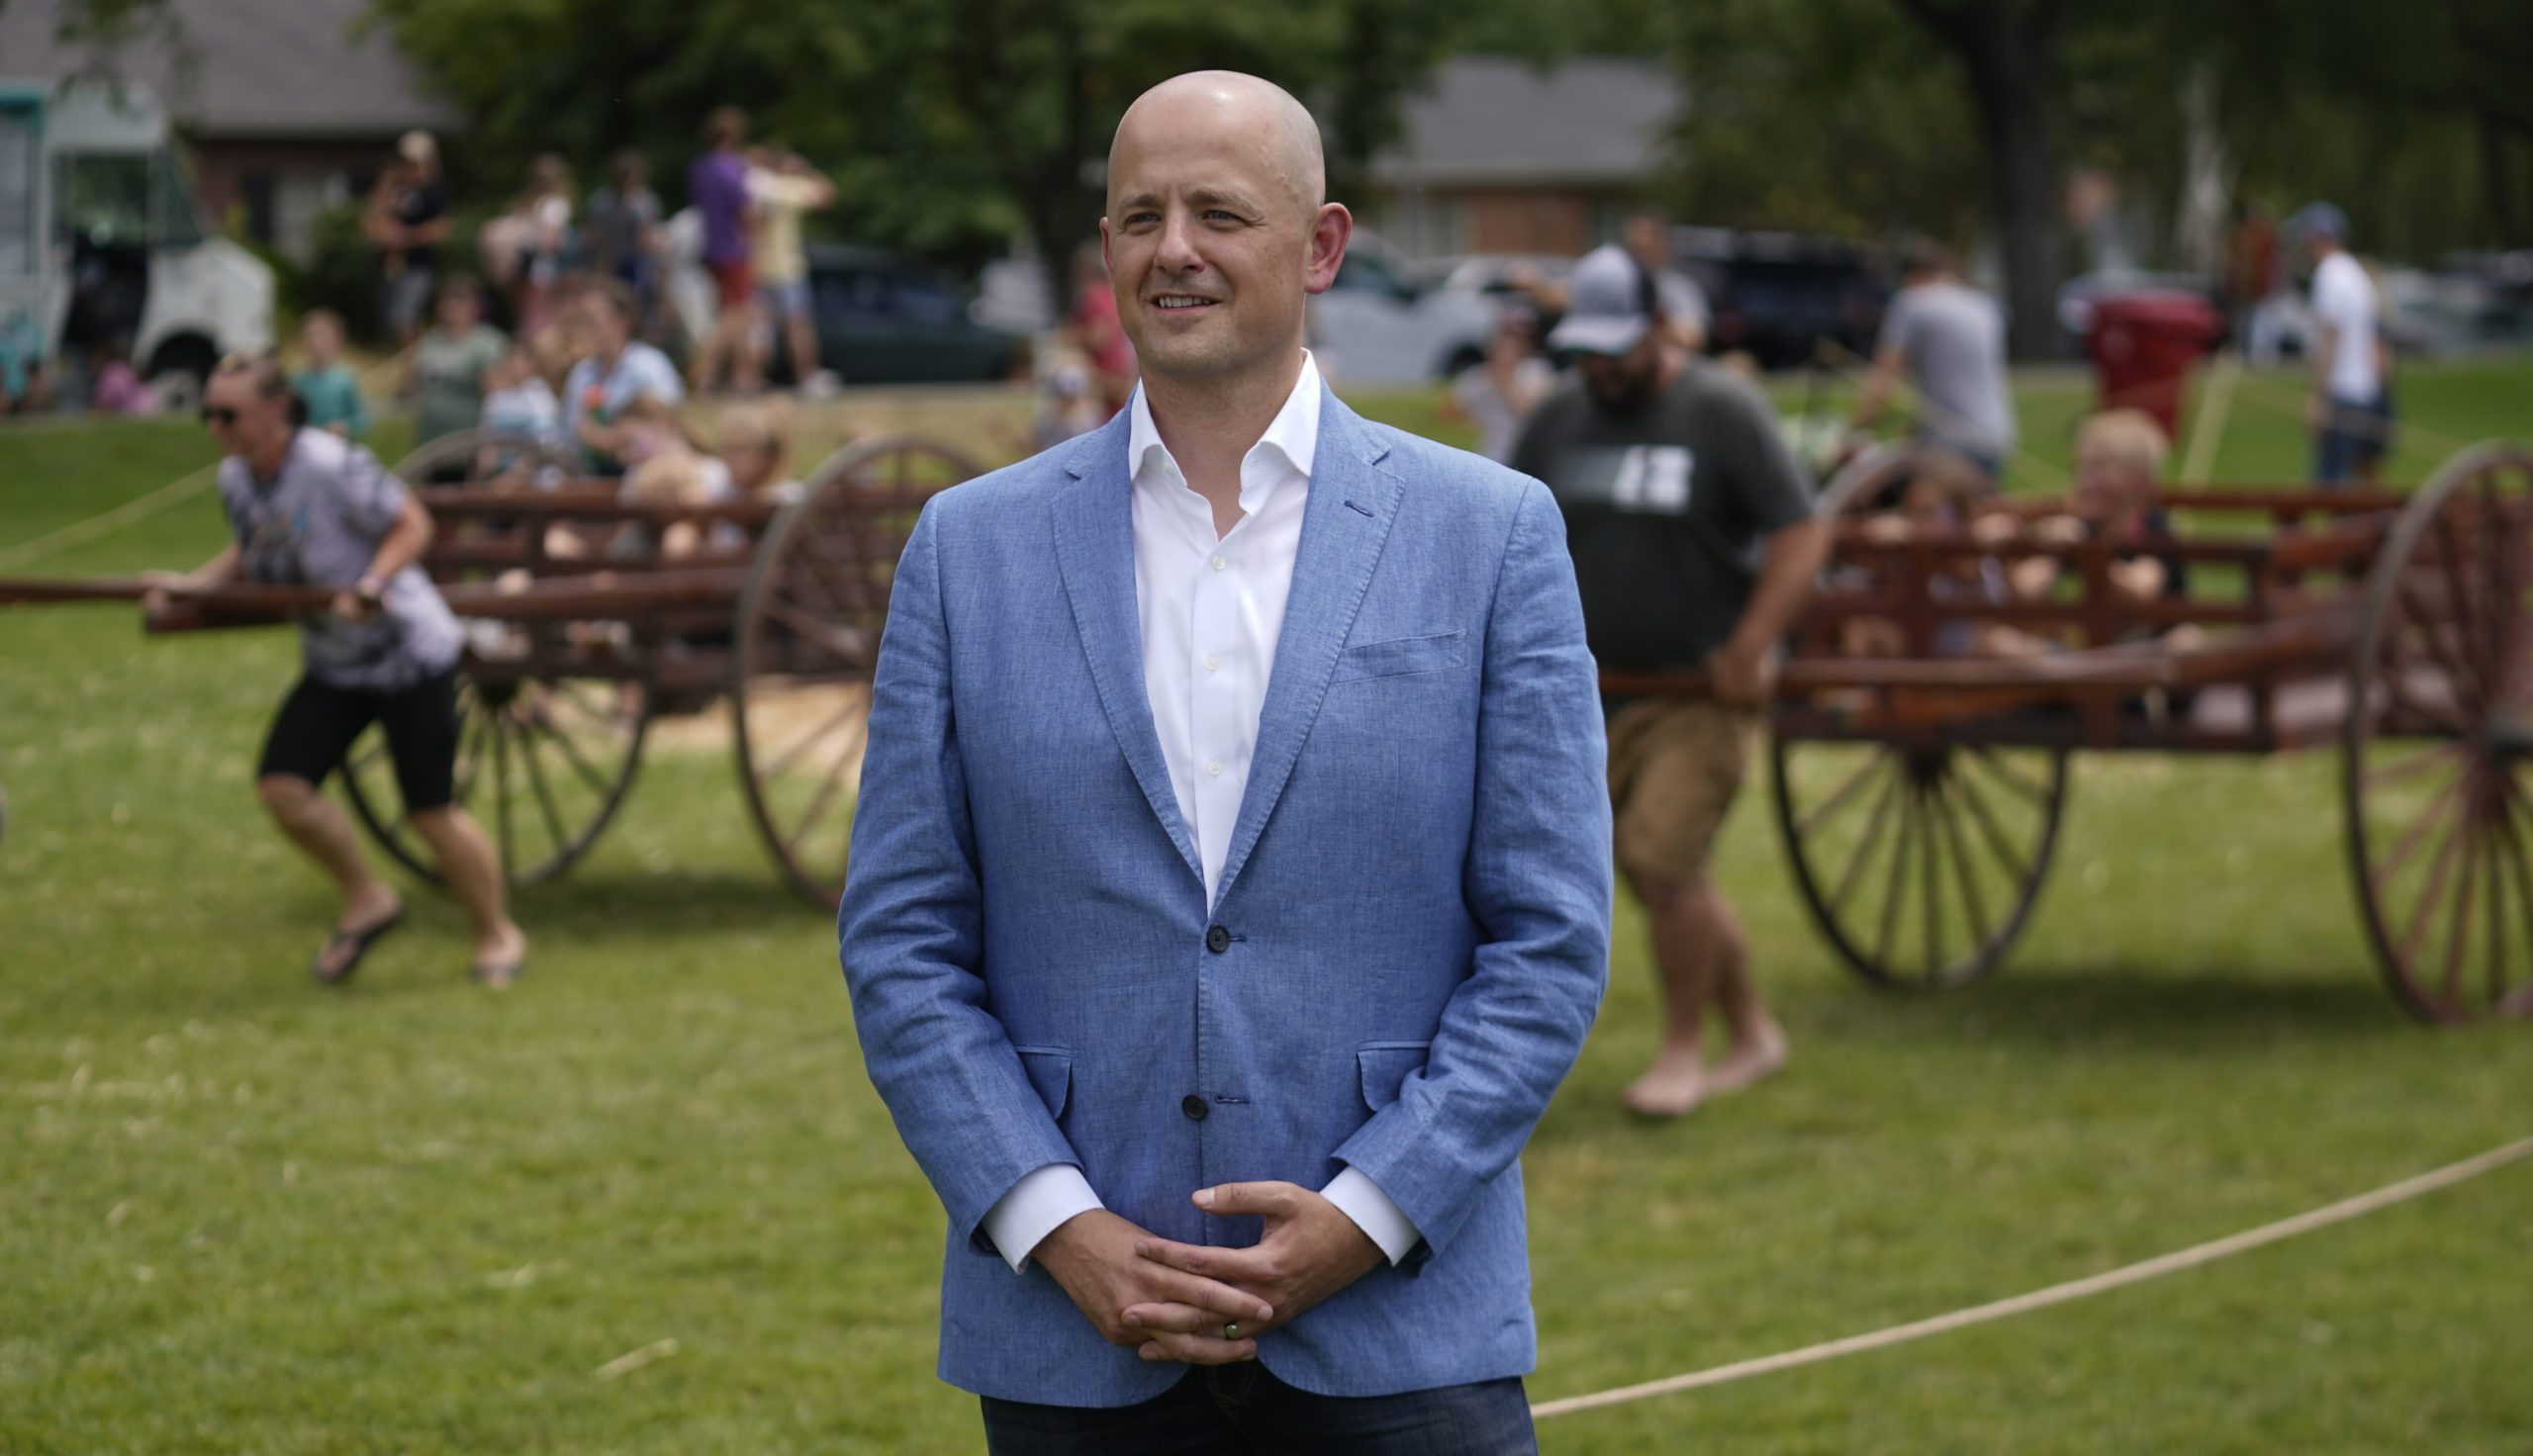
column 719, row 185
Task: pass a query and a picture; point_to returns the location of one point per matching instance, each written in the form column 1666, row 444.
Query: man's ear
column 1106, row 240
column 1330, row 231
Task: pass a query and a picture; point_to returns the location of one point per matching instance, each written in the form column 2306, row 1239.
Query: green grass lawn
column 241, row 1214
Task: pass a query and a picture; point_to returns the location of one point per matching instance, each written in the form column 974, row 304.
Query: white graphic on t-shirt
column 1653, row 478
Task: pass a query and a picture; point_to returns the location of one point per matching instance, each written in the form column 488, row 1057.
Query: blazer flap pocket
column 1050, row 1072
column 1386, row 1066
column 1400, row 656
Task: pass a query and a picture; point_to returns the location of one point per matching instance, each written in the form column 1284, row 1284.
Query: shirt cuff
column 1035, row 1206
column 1362, row 1200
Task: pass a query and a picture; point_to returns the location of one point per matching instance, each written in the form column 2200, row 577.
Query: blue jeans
column 1240, row 1410
column 2354, row 435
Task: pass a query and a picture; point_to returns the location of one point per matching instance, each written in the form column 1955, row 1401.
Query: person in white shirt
column 2351, row 412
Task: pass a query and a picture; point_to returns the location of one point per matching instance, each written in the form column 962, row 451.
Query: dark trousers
column 1244, row 1410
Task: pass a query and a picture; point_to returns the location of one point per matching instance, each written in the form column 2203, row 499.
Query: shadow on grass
column 2120, row 1006
column 620, row 905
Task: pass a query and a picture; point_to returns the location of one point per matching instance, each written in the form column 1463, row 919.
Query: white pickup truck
column 102, row 239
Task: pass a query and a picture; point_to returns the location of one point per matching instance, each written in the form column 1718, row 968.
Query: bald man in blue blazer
column 1231, row 882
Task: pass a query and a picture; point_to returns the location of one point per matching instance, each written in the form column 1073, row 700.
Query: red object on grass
column 2143, row 346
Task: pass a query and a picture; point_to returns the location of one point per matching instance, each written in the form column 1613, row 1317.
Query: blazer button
column 1194, row 1106
column 1217, row 939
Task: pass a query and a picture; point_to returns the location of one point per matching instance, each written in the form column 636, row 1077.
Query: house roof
column 264, row 69
column 1484, row 120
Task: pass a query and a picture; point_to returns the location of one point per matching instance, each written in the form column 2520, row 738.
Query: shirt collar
column 1292, row 434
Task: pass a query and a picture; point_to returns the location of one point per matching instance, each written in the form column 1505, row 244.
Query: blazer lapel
column 1095, row 531
column 1348, row 518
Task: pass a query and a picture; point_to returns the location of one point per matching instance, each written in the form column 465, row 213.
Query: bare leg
column 466, row 862
column 1703, row 959
column 324, row 833
column 804, row 347
column 747, row 358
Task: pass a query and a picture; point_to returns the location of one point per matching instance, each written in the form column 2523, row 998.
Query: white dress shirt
column 1212, row 609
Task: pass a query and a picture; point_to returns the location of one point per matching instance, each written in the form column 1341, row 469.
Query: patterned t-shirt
column 318, row 524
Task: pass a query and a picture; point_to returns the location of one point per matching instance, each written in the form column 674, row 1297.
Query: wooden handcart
column 1919, row 794
column 583, row 635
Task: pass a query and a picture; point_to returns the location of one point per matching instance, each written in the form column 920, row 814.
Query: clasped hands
column 1171, row 1301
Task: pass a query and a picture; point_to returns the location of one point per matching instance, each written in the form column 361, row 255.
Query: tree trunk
column 2009, row 52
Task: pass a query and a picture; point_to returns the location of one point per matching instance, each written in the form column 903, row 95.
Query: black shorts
column 317, row 724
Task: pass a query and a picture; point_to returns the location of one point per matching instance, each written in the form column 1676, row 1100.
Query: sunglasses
column 223, row 417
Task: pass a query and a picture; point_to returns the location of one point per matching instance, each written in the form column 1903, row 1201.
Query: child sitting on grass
column 325, row 384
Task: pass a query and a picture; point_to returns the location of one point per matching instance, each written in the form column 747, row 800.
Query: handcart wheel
column 1919, row 862
column 474, row 457
column 1866, row 482
column 543, row 763
column 809, row 639
column 2439, row 742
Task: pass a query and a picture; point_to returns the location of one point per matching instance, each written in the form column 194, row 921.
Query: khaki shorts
column 1674, row 769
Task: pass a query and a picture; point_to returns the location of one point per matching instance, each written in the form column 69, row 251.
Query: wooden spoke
column 792, row 755
column 2459, row 934
column 2008, row 774
column 2458, row 587
column 2427, row 819
column 2383, row 773
column 1844, row 794
column 1872, row 836
column 502, row 797
column 1930, row 874
column 556, row 834
column 1898, row 885
column 572, row 755
column 1917, row 844
column 1999, row 843
column 2434, row 638
column 827, row 791
column 1963, row 871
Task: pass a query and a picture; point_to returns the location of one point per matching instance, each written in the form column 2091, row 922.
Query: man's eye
column 1217, row 214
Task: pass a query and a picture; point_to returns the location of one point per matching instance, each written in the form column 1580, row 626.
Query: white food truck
column 103, row 242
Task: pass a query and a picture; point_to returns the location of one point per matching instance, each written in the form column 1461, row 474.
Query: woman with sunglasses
column 309, row 509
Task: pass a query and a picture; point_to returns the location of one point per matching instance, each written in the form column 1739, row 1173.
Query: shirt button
column 1218, row 939
column 1194, row 1106
column 1219, row 562
column 1212, row 663
column 1213, row 768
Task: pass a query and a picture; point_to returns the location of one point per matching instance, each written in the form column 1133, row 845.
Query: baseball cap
column 2318, row 219
column 1609, row 304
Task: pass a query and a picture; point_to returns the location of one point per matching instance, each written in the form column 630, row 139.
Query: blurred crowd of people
column 723, row 283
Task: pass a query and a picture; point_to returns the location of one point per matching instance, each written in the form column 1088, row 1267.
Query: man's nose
column 1179, row 254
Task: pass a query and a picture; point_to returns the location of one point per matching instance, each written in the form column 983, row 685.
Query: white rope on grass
column 2056, row 1294
column 175, row 491
column 140, row 508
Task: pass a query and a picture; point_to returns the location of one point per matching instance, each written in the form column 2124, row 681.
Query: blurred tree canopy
column 952, row 124
column 1961, row 119
column 948, row 125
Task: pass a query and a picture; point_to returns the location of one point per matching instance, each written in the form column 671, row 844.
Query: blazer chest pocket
column 1401, row 657
column 1385, row 1067
column 1050, row 1070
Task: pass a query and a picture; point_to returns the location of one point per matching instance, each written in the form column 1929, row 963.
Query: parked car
column 1378, row 325
column 886, row 319
column 1491, row 275
column 1779, row 295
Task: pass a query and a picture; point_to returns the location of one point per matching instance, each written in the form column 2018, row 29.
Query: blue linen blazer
column 1413, row 921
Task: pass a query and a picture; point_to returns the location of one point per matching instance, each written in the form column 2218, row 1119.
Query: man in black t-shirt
column 1694, row 545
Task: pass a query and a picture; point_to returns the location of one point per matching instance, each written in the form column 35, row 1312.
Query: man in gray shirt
column 1694, row 546
column 1949, row 340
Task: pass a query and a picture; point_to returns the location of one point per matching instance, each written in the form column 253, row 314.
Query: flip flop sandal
column 499, row 975
column 359, row 941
